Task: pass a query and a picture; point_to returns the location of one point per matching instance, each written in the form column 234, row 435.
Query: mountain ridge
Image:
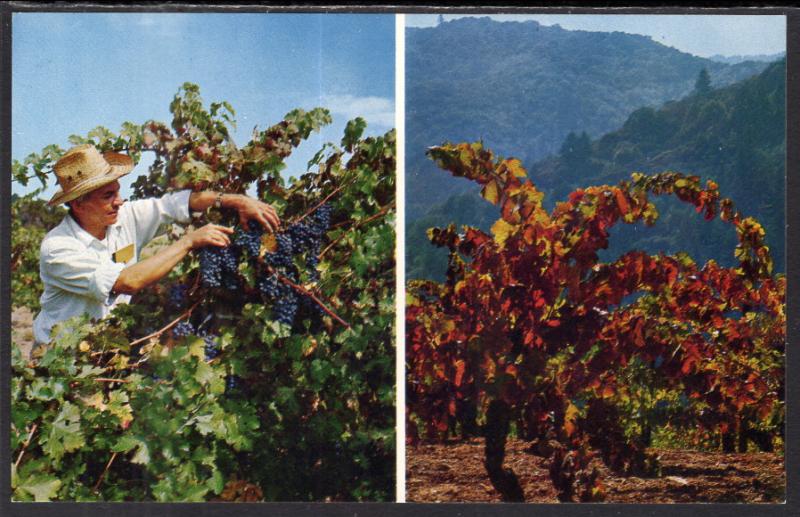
column 733, row 135
column 523, row 86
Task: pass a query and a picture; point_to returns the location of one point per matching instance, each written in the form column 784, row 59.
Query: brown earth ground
column 22, row 329
column 454, row 472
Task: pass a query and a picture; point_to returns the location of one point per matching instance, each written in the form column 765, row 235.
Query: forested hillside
column 522, row 87
column 733, row 135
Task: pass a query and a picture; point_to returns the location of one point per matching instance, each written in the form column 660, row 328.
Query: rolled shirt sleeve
column 149, row 214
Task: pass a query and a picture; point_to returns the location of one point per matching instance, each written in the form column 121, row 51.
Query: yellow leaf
column 515, row 167
column 269, row 244
column 95, row 401
column 569, row 419
column 502, row 231
column 491, row 192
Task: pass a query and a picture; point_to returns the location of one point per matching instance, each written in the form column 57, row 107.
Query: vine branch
column 311, row 295
column 108, row 466
column 324, row 200
column 25, row 444
column 378, row 215
column 168, row 326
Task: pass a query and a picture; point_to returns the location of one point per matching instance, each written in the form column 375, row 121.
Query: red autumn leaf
column 460, row 366
column 638, row 334
column 622, row 203
column 511, row 370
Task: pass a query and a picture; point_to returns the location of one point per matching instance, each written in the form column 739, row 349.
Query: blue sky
column 701, row 35
column 74, row 71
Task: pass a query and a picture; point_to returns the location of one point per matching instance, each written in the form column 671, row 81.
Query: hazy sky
column 74, row 71
column 701, row 35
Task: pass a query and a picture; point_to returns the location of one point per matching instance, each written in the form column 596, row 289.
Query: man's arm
column 248, row 208
column 140, row 275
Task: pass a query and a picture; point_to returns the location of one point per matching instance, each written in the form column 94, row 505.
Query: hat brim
column 120, row 165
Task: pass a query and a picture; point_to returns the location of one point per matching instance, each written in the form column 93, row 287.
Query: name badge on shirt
column 123, row 254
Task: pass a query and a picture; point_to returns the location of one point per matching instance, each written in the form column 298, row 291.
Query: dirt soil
column 454, row 472
column 22, row 329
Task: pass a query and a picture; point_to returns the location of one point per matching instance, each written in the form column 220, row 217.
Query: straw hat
column 83, row 169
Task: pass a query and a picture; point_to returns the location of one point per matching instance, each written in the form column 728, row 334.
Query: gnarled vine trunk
column 495, row 433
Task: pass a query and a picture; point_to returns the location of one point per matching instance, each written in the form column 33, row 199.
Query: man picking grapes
column 89, row 262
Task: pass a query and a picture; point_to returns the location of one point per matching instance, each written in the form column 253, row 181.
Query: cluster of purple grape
column 285, row 307
column 283, row 296
column 232, row 383
column 307, row 237
column 249, row 240
column 282, row 256
column 185, row 328
column 177, row 296
column 210, row 267
column 219, row 267
column 182, row 329
column 211, row 346
column 303, row 238
column 269, row 286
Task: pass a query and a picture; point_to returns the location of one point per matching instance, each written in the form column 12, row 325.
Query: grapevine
column 251, row 365
column 532, row 327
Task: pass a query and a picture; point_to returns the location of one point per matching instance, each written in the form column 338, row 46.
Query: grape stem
column 25, row 445
column 311, row 295
column 168, row 326
column 378, row 215
column 195, row 284
column 102, row 379
column 108, row 466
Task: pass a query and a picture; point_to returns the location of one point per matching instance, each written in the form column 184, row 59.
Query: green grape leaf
column 43, row 488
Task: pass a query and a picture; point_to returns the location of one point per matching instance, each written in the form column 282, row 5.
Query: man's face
column 100, row 206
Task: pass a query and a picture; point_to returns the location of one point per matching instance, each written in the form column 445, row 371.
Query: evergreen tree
column 703, row 83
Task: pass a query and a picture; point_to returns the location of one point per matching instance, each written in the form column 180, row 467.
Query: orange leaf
column 569, row 419
column 459, row 372
column 511, row 370
column 622, row 203
column 608, row 391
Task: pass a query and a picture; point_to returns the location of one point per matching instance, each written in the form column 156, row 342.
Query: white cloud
column 375, row 110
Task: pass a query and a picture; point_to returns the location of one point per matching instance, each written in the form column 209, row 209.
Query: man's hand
column 263, row 213
column 208, row 235
column 153, row 268
column 249, row 209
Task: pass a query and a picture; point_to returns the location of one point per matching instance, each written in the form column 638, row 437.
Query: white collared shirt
column 78, row 270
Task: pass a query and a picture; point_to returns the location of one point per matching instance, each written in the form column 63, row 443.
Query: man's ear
column 76, row 204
